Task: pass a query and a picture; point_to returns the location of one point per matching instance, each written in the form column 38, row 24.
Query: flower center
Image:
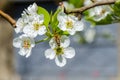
column 69, row 24
column 26, row 44
column 36, row 26
column 59, row 50
column 102, row 12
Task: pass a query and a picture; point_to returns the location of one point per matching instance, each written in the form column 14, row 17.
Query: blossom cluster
column 98, row 13
column 32, row 24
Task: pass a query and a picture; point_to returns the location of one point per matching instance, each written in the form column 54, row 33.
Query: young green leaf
column 54, row 22
column 76, row 3
column 46, row 15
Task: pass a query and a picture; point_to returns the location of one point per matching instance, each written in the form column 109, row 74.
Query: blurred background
column 96, row 51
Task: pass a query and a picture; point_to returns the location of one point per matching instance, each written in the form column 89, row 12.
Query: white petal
column 20, row 24
column 41, row 18
column 30, row 31
column 32, row 42
column 71, row 32
column 69, row 52
column 27, row 29
column 32, row 8
column 72, row 18
column 65, row 41
column 60, row 61
column 37, row 18
column 68, row 6
column 78, row 26
column 29, row 53
column 18, row 29
column 62, row 26
column 62, row 17
column 91, row 12
column 21, row 52
column 49, row 53
column 53, row 43
column 23, row 36
column 42, row 30
column 87, row 2
column 17, row 42
column 90, row 35
column 25, row 52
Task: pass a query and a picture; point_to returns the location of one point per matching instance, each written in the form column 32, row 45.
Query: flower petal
column 53, row 43
column 30, row 31
column 72, row 18
column 69, row 52
column 49, row 53
column 42, row 30
column 18, row 29
column 29, row 53
column 87, row 2
column 62, row 26
column 32, row 42
column 41, row 18
column 20, row 24
column 71, row 31
column 25, row 52
column 17, row 42
column 32, row 8
column 65, row 41
column 62, row 17
column 21, row 52
column 78, row 26
column 60, row 61
column 90, row 35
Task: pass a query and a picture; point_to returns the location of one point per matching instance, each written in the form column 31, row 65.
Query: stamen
column 26, row 44
column 37, row 26
column 69, row 24
column 59, row 50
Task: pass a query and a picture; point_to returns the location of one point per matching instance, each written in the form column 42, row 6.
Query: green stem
column 49, row 32
column 45, row 39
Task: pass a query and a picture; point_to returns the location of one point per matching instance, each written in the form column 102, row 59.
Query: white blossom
column 32, row 9
column 20, row 25
column 60, row 52
column 90, row 35
column 69, row 23
column 68, row 6
column 25, row 44
column 89, row 2
column 27, row 16
column 35, row 27
column 31, row 23
column 100, row 12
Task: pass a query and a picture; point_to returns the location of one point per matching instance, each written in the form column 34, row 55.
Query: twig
column 8, row 18
column 77, row 10
column 82, row 9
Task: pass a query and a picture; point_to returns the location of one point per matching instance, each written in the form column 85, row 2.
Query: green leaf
column 77, row 3
column 65, row 33
column 54, row 22
column 46, row 15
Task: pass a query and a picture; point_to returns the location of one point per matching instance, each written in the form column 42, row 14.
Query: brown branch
column 77, row 10
column 82, row 9
column 8, row 18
